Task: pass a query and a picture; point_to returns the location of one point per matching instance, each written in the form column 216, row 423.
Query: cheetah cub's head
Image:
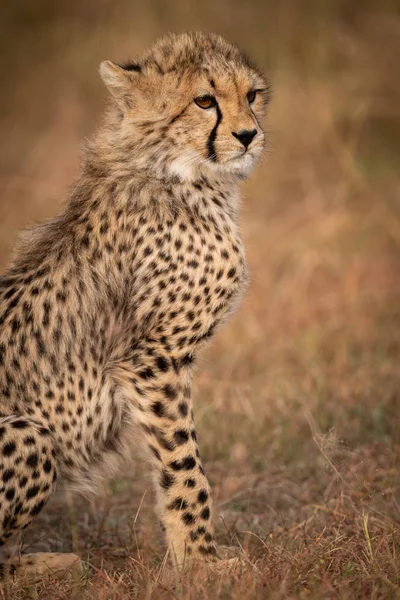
column 191, row 104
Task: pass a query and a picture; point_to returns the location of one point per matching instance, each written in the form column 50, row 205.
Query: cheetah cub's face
column 192, row 103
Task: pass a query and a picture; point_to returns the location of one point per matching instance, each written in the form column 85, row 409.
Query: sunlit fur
column 156, row 117
column 105, row 307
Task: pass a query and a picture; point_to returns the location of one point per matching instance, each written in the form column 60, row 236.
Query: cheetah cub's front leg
column 184, row 498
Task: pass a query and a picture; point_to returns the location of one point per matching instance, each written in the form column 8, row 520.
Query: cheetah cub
column 106, row 306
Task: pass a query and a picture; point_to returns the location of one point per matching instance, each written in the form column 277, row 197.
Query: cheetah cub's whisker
column 106, row 306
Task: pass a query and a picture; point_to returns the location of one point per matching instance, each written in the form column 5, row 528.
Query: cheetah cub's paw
column 230, row 560
column 30, row 568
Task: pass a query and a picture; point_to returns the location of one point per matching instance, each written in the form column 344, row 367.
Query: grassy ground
column 297, row 401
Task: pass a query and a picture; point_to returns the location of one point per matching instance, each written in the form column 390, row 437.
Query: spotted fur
column 105, row 307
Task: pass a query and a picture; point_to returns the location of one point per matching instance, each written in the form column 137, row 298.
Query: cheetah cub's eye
column 251, row 96
column 205, row 101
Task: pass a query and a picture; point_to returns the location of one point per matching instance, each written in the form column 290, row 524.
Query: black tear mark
column 213, row 134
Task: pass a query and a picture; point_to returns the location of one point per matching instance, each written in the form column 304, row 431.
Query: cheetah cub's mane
column 105, row 307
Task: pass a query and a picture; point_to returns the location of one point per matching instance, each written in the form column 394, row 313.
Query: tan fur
column 105, row 307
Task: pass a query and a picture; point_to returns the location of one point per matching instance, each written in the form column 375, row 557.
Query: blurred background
column 297, row 400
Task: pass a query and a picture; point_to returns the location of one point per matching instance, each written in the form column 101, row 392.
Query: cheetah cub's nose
column 245, row 136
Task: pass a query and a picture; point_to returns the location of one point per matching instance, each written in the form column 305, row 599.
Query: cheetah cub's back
column 105, row 307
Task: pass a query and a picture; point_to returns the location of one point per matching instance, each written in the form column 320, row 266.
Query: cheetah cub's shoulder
column 105, row 307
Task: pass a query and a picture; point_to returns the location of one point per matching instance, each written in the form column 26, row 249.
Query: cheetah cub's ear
column 119, row 80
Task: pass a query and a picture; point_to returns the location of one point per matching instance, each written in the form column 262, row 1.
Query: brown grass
column 297, row 402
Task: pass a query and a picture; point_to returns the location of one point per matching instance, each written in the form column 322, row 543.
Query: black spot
column 178, row 504
column 188, row 518
column 47, row 466
column 202, row 497
column 10, row 494
column 162, row 363
column 32, row 491
column 169, row 391
column 183, row 409
column 8, row 474
column 20, row 424
column 181, row 436
column 37, row 508
column 190, row 483
column 167, row 480
column 32, row 461
column 18, row 509
column 205, row 513
column 44, row 431
column 158, row 409
column 15, row 325
column 185, row 464
column 9, row 449
column 29, row 441
column 193, row 264
column 146, row 373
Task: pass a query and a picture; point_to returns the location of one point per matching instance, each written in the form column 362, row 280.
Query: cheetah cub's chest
column 194, row 274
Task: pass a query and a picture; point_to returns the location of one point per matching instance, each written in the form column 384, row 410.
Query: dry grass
column 297, row 402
